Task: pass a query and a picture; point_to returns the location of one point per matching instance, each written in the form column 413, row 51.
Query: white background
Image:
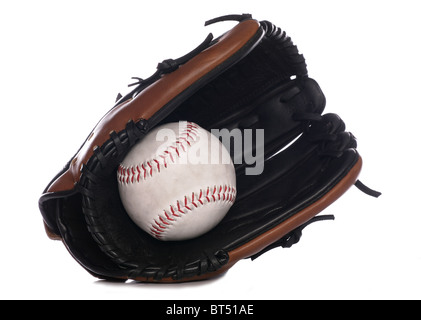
column 63, row 62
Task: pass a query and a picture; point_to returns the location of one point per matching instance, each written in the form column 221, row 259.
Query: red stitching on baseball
column 173, row 212
column 127, row 174
column 178, row 207
column 157, row 165
column 168, row 216
column 158, row 229
column 163, row 221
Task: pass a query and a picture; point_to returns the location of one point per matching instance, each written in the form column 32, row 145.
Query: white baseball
column 179, row 188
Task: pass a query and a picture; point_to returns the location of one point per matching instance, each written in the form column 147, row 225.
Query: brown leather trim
column 50, row 233
column 282, row 229
column 157, row 95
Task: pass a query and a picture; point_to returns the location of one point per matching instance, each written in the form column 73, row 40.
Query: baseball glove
column 251, row 77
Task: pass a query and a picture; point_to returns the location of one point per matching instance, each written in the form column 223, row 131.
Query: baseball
column 178, row 182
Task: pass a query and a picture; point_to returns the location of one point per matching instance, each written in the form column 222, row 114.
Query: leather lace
column 170, row 65
column 164, row 67
column 329, row 131
column 229, row 17
column 292, row 237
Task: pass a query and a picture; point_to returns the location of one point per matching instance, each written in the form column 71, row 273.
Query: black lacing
column 329, row 131
column 164, row 67
column 367, row 190
column 210, row 262
column 170, row 65
column 105, row 158
column 292, row 237
column 229, row 17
